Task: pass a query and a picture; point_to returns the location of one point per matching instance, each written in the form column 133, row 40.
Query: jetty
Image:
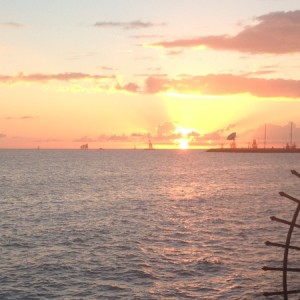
column 289, row 148
column 257, row 150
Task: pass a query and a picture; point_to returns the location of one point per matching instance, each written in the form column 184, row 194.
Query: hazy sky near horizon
column 113, row 73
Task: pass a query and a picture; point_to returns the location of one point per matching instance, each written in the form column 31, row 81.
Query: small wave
column 210, row 264
column 110, row 287
column 210, row 260
column 140, row 274
column 18, row 245
column 78, row 240
column 104, row 231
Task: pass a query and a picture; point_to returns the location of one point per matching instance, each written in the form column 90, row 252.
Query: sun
column 184, row 136
column 183, row 144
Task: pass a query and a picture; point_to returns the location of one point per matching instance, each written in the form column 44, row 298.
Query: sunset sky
column 185, row 73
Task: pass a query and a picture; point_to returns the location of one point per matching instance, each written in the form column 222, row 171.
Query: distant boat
column 150, row 146
column 84, row 147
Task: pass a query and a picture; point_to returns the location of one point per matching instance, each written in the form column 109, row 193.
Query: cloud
column 221, row 84
column 85, row 139
column 50, row 77
column 211, row 84
column 174, row 52
column 82, row 56
column 215, row 136
column 2, row 135
column 11, row 25
column 259, row 73
column 114, row 138
column 166, row 129
column 21, row 118
column 276, row 33
column 129, row 87
column 106, row 68
column 146, row 36
column 129, row 25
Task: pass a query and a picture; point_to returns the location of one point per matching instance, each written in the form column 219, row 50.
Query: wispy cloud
column 11, row 25
column 107, row 68
column 276, row 33
column 28, row 117
column 174, row 52
column 146, row 36
column 50, row 77
column 2, row 135
column 129, row 25
column 85, row 139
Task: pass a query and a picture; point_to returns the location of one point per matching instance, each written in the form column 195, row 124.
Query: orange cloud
column 276, row 33
column 221, row 84
column 50, row 77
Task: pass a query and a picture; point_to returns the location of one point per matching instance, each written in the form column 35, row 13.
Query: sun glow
column 184, row 136
column 183, row 144
column 185, row 132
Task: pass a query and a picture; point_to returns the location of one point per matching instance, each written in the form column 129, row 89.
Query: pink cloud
column 220, row 84
column 276, row 33
column 129, row 87
column 211, row 84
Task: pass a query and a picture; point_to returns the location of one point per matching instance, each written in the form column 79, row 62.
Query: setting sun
column 183, row 144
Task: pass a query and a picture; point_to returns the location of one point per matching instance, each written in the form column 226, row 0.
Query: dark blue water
column 142, row 224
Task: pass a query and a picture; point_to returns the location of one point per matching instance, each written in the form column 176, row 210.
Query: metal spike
column 281, row 269
column 283, row 194
column 266, row 294
column 267, row 243
column 294, row 172
column 273, row 218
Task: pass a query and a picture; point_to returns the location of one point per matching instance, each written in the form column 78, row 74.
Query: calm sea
column 134, row 224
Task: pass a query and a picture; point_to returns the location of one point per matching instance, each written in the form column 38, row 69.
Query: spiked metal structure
column 287, row 246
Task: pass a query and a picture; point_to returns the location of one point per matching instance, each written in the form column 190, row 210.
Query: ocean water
column 134, row 224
